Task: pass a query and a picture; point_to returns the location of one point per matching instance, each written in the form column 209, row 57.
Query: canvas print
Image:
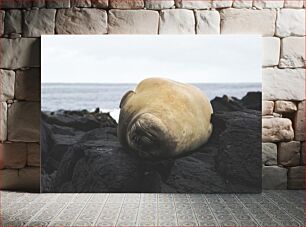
column 141, row 113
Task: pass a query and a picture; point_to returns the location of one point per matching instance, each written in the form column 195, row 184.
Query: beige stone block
column 271, row 51
column 296, row 176
column 285, row 106
column 81, row 21
column 192, row 4
column 293, row 52
column 207, row 22
column 103, row 4
column 221, row 3
column 20, row 53
column 242, row 4
column 7, row 81
column 299, row 122
column 269, row 154
column 24, row 122
column 3, row 121
column 38, row 22
column 177, row 21
column 126, row 4
column 27, row 85
column 262, row 4
column 277, row 129
column 289, row 153
column 158, row 5
column 248, row 21
column 26, row 179
column 290, row 22
column 133, row 22
column 274, row 177
column 13, row 155
column 293, row 4
column 267, row 107
column 283, row 84
column 33, row 158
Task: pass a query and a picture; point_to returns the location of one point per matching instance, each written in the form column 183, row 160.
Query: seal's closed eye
column 125, row 97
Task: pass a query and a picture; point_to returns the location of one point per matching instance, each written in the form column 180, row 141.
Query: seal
column 163, row 118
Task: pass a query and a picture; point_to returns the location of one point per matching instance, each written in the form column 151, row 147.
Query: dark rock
column 81, row 153
column 252, row 100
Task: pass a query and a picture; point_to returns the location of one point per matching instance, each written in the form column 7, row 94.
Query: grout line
column 100, row 213
column 120, row 209
column 194, row 215
column 213, row 214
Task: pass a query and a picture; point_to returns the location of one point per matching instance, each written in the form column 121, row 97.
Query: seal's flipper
column 126, row 97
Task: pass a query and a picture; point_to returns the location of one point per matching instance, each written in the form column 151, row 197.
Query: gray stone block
column 20, row 53
column 27, row 85
column 7, row 81
column 2, row 14
column 274, row 177
column 81, row 21
column 158, row 5
column 33, row 158
column 13, row 155
column 39, row 22
column 296, row 177
column 289, row 153
column 269, row 154
column 13, row 21
column 103, row 4
column 24, row 122
column 3, row 121
column 80, row 3
column 126, row 4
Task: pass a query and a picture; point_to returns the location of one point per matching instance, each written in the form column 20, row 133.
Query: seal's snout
column 144, row 135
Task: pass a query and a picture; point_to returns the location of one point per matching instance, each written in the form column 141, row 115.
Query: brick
column 248, row 21
column 103, row 4
column 289, row 153
column 39, row 22
column 267, row 107
column 177, row 21
column 296, row 177
column 13, row 155
column 133, row 22
column 283, row 84
column 27, row 86
column 191, row 4
column 285, row 106
column 293, row 4
column 158, row 5
column 299, row 122
column 56, row 4
column 277, row 129
column 290, row 22
column 13, row 22
column 20, row 53
column 81, row 21
column 263, row 4
column 271, row 51
column 293, row 52
column 242, row 4
column 24, row 122
column 7, row 81
column 3, row 121
column 33, row 158
column 269, row 154
column 207, row 22
column 80, row 3
column 126, row 4
column 274, row 177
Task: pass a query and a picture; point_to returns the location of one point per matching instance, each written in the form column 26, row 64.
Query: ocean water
column 107, row 97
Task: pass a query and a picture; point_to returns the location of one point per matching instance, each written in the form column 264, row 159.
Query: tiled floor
column 271, row 208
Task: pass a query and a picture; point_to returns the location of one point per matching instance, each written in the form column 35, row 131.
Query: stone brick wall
column 280, row 22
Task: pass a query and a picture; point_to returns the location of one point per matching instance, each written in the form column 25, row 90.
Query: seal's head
column 147, row 135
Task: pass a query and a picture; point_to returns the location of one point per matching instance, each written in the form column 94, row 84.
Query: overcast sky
column 131, row 58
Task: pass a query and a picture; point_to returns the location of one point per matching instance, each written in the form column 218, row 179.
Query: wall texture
column 280, row 22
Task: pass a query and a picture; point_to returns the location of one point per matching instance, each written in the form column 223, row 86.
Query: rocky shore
column 80, row 152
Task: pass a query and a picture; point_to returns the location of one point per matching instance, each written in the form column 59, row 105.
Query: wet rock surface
column 81, row 153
